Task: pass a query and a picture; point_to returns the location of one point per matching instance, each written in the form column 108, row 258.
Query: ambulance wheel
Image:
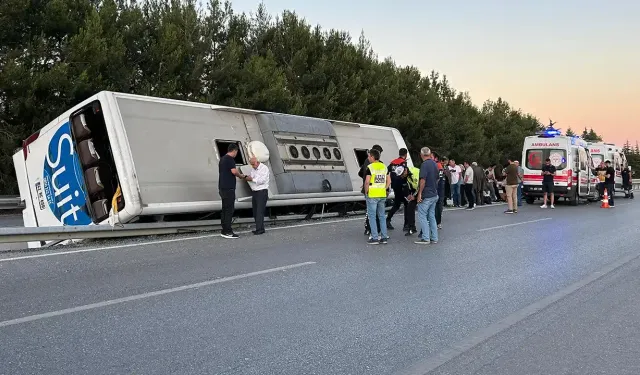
column 530, row 200
column 573, row 201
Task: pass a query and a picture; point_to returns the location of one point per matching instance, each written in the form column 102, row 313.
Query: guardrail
column 63, row 233
column 10, row 203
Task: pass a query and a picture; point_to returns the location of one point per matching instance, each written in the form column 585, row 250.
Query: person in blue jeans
column 428, row 198
column 376, row 185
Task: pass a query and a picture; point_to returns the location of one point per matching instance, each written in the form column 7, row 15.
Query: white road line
column 514, row 224
column 51, row 314
column 452, row 352
column 157, row 242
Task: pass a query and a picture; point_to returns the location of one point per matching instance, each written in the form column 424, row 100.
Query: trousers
column 228, row 197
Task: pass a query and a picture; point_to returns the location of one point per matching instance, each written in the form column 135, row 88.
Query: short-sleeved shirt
column 468, row 176
column 226, row 179
column 548, row 177
column 512, row 175
column 455, row 174
column 612, row 176
column 430, row 173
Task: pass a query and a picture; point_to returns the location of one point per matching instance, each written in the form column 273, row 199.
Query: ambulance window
column 597, row 159
column 558, row 158
column 583, row 159
column 534, row 159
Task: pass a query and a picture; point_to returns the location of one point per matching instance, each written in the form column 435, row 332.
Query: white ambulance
column 601, row 152
column 574, row 179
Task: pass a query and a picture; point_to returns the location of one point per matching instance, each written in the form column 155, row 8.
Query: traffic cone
column 605, row 200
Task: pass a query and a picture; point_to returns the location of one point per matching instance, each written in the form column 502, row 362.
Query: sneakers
column 422, row 242
column 439, row 226
column 509, row 212
column 229, row 235
column 367, row 232
column 543, row 206
column 552, row 207
column 382, row 241
column 410, row 232
column 389, row 226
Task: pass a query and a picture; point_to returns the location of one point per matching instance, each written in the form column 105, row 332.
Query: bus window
column 361, row 155
column 223, row 146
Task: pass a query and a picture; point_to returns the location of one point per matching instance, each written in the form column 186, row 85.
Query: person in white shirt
column 455, row 172
column 259, row 183
column 468, row 185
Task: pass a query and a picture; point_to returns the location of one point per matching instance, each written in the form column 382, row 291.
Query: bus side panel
column 56, row 179
column 28, row 214
column 354, row 139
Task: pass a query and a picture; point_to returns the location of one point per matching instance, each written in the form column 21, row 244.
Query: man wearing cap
column 396, row 185
column 363, row 175
column 409, row 176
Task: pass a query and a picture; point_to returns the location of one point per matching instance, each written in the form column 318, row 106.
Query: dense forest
column 55, row 53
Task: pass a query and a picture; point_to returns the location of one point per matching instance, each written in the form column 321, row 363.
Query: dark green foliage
column 55, row 53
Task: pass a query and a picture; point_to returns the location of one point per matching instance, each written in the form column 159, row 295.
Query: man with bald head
column 259, row 183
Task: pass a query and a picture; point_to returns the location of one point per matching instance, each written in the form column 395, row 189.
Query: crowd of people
column 438, row 183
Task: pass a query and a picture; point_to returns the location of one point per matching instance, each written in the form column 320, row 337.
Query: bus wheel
column 530, row 200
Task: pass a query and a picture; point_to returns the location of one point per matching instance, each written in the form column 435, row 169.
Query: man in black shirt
column 610, row 181
column 548, row 171
column 227, row 173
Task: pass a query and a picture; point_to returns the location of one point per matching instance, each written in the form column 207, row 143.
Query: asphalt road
column 543, row 291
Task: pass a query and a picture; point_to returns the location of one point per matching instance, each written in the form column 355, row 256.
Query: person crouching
column 409, row 177
column 376, row 185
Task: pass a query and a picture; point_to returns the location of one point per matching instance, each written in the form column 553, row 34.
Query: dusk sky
column 576, row 62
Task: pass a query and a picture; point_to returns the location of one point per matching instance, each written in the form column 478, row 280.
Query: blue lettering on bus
column 64, row 181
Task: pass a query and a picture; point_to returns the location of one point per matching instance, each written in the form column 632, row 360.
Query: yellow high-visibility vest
column 413, row 178
column 378, row 182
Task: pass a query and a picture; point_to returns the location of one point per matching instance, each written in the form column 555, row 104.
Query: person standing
column 455, row 173
column 520, row 182
column 548, row 172
column 491, row 182
column 512, row 188
column 396, row 186
column 428, row 198
column 478, row 183
column 363, row 173
column 468, row 186
column 227, row 173
column 259, row 178
column 441, row 197
column 377, row 182
column 610, row 181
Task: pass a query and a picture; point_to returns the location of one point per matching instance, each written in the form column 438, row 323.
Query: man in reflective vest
column 376, row 185
column 409, row 189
